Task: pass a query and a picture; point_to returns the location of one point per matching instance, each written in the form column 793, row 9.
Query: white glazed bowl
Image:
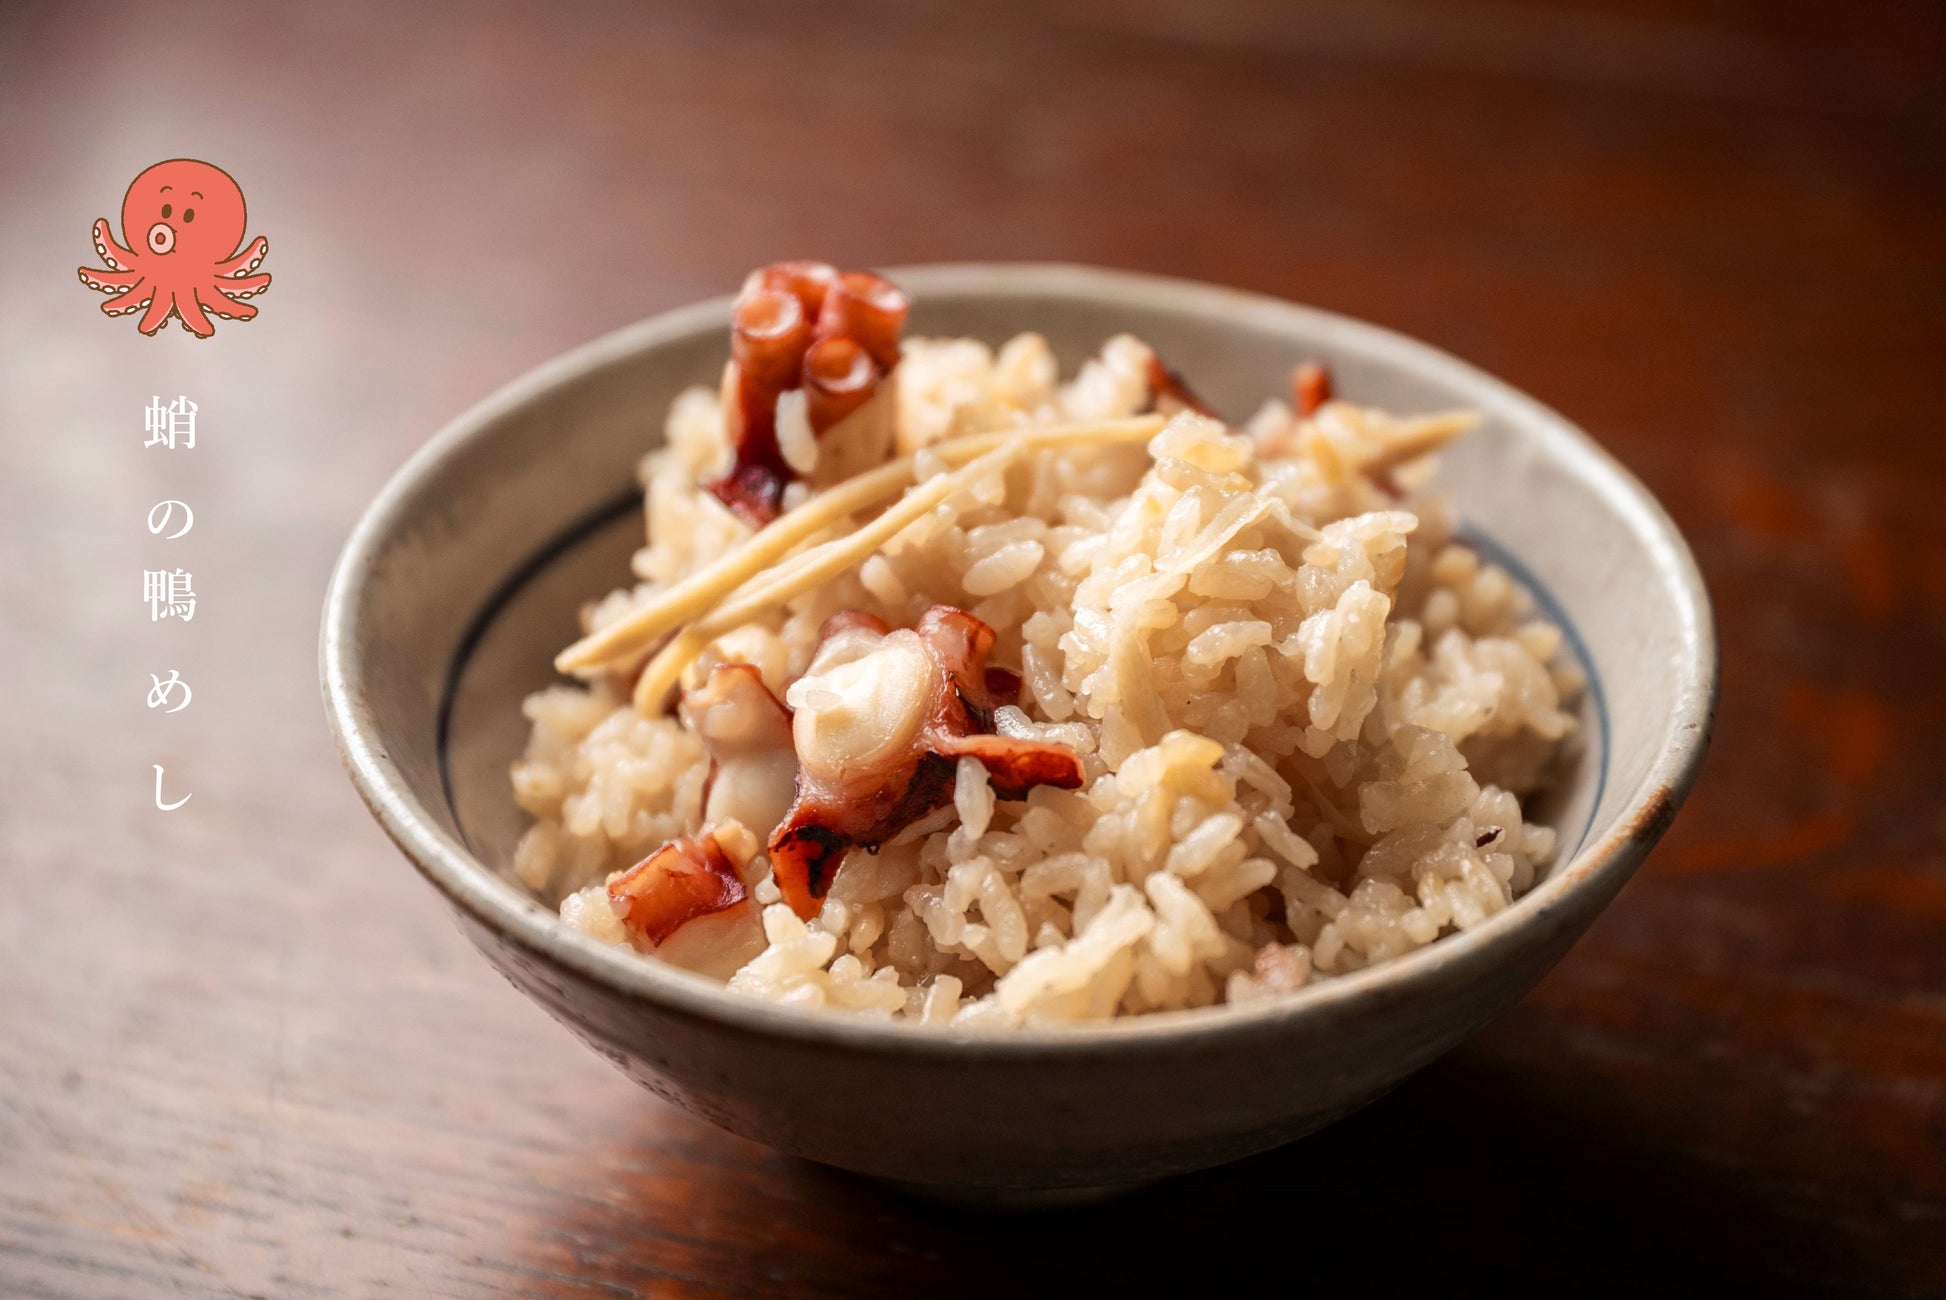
column 464, row 576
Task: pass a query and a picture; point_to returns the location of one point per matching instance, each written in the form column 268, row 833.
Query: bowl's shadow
column 1473, row 1176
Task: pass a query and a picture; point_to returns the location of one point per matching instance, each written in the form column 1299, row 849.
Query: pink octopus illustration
column 191, row 219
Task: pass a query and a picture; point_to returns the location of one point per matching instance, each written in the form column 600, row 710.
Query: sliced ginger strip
column 1413, row 438
column 703, row 588
column 818, row 565
column 825, row 562
column 660, row 675
column 696, row 594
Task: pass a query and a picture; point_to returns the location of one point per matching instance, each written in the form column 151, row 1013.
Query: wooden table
column 243, row 1052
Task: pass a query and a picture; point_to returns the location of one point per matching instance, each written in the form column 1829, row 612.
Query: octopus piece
column 769, row 333
column 805, row 326
column 689, row 903
column 839, row 377
column 686, row 878
column 187, row 263
column 753, row 766
column 1169, row 392
column 847, row 396
column 880, row 721
column 1310, row 387
column 806, row 280
column 868, row 309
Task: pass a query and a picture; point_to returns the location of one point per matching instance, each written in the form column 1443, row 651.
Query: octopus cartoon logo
column 188, row 219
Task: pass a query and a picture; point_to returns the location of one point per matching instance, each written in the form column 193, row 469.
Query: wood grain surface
column 242, row 1050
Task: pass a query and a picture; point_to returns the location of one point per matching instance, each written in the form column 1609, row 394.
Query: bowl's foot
column 1012, row 1198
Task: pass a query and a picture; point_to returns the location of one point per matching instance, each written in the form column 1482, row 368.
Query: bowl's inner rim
column 509, row 912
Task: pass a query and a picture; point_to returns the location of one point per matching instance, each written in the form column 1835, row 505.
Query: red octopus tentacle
column 684, row 879
column 1169, row 391
column 807, row 281
column 211, row 299
column 1015, row 766
column 130, row 300
column 961, row 643
column 804, row 856
column 844, row 801
column 160, row 307
column 242, row 286
column 248, row 260
column 768, row 335
column 1310, row 387
column 747, row 731
column 109, row 281
column 869, row 309
column 117, row 257
column 803, row 326
column 190, row 312
column 839, row 377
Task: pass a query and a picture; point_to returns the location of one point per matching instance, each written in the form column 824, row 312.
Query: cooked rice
column 1307, row 714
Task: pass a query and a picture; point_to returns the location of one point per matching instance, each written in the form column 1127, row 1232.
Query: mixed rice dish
column 953, row 692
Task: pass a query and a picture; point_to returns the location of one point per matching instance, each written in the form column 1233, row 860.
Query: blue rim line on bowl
column 1557, row 614
column 489, row 613
column 508, row 911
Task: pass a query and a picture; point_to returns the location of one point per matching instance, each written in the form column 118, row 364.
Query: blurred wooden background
column 243, row 1052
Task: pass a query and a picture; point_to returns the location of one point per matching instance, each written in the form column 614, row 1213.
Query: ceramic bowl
column 463, row 579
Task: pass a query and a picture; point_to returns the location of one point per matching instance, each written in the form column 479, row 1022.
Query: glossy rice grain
column 1305, row 715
